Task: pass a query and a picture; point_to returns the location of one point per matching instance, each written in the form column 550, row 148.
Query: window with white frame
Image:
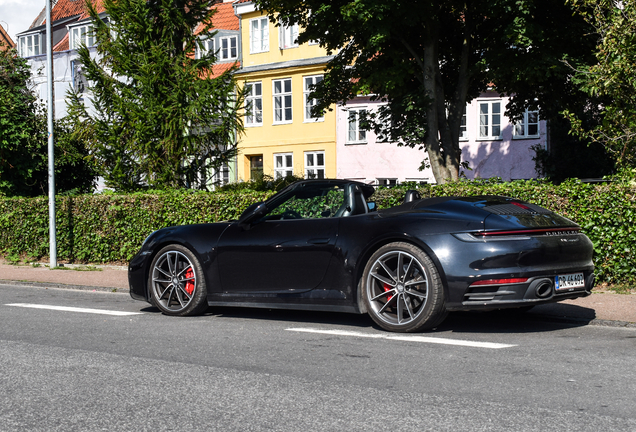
column 228, row 49
column 81, row 35
column 528, row 127
column 254, row 104
column 31, row 45
column 490, row 119
column 283, row 165
column 308, row 85
column 288, row 36
column 463, row 132
column 315, row 165
column 221, row 175
column 206, row 46
column 282, row 95
column 355, row 134
column 259, row 35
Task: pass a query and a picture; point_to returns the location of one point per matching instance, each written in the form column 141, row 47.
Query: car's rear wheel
column 176, row 282
column 403, row 291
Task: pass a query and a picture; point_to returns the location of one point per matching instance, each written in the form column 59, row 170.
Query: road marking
column 74, row 309
column 407, row 338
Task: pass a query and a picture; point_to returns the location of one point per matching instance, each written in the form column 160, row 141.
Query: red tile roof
column 69, row 8
column 219, row 68
column 5, row 39
column 224, row 18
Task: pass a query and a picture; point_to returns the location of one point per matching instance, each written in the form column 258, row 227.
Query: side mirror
column 253, row 212
column 371, row 205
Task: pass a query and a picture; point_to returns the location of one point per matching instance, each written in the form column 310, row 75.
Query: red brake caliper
column 387, row 288
column 189, row 285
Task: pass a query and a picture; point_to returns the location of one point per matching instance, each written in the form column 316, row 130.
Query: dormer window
column 206, row 46
column 81, row 35
column 229, row 48
column 31, row 45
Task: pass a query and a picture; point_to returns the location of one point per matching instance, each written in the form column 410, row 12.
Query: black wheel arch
column 168, row 241
column 371, row 248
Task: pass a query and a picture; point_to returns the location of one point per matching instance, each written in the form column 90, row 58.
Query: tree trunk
column 443, row 158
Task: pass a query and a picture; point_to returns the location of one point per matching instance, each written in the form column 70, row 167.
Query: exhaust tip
column 544, row 290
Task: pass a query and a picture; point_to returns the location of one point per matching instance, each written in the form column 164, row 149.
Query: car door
column 286, row 251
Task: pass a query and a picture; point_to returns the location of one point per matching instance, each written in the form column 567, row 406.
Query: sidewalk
column 599, row 308
column 100, row 278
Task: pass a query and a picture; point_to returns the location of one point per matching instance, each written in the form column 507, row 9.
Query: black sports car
column 320, row 245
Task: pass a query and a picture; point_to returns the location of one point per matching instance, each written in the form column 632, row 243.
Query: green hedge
column 110, row 228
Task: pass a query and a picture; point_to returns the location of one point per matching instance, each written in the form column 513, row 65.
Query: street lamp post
column 50, row 83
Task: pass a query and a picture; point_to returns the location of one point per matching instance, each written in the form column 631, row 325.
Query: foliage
column 612, row 78
column 21, row 134
column 161, row 118
column 76, row 170
column 570, row 156
column 24, row 144
column 427, row 59
column 319, row 205
column 111, row 228
column 262, row 182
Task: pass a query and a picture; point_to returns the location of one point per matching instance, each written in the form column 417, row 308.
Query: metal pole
column 50, row 83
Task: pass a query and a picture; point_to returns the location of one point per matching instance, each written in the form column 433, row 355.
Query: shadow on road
column 539, row 319
column 543, row 318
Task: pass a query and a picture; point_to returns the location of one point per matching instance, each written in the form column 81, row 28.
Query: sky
column 17, row 15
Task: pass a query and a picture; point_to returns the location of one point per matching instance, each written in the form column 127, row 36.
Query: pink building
column 491, row 144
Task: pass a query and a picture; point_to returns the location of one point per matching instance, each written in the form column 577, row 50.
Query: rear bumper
column 536, row 290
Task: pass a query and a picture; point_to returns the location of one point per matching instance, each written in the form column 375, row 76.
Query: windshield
column 309, row 202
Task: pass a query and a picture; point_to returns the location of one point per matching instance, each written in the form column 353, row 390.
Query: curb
column 27, row 284
column 75, row 266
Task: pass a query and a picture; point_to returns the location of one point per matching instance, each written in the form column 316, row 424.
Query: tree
column 20, row 135
column 158, row 116
column 427, row 59
column 24, row 144
column 611, row 79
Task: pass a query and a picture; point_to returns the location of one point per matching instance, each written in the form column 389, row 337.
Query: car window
column 310, row 203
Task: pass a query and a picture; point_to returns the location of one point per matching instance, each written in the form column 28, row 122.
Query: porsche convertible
column 324, row 245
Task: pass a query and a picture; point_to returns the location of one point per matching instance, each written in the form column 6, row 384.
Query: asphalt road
column 262, row 370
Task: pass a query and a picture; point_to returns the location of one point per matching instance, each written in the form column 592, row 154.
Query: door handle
column 318, row 241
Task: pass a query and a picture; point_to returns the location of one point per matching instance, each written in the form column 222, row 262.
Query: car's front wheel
column 402, row 289
column 176, row 282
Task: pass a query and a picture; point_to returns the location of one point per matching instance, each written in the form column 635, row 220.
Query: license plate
column 569, row 281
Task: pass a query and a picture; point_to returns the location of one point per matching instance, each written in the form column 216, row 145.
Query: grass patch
column 86, row 268
column 77, row 268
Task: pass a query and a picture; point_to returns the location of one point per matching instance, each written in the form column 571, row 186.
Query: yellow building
column 281, row 136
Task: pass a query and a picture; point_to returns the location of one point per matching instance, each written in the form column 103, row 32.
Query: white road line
column 74, row 309
column 409, row 338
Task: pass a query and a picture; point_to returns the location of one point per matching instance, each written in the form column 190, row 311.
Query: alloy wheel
column 174, row 281
column 397, row 288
